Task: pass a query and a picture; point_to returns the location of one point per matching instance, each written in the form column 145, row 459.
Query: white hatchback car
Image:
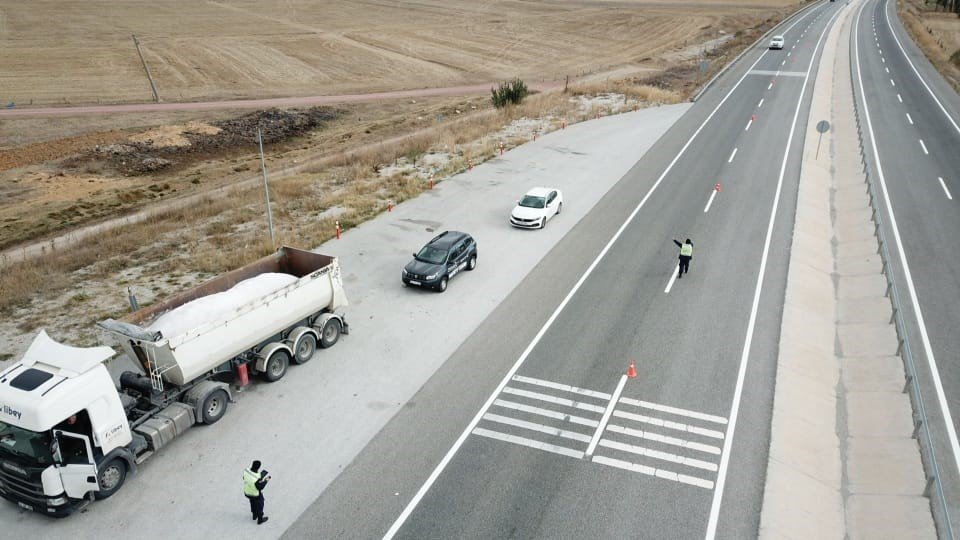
column 536, row 207
column 776, row 42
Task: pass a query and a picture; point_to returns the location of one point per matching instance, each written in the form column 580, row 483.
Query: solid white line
column 713, row 193
column 745, row 355
column 659, row 473
column 924, row 337
column 909, row 119
column 562, row 450
column 540, row 428
column 418, row 496
column 760, row 104
column 673, row 277
column 674, row 410
column 899, row 98
column 545, row 412
column 944, row 186
column 669, row 424
column 749, row 123
column 664, row 439
column 735, row 150
column 564, row 387
column 553, row 399
column 924, row 147
column 657, row 454
column 606, row 415
column 922, row 80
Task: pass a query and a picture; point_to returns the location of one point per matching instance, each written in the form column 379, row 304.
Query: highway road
column 532, row 429
column 910, row 117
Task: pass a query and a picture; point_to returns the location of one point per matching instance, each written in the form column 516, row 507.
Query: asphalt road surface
column 911, row 118
column 532, row 429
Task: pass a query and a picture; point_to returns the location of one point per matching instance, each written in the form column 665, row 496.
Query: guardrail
column 911, row 386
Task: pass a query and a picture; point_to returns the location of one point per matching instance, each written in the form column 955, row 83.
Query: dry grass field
column 60, row 52
column 938, row 35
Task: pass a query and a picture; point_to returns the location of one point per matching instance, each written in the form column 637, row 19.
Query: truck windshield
column 25, row 444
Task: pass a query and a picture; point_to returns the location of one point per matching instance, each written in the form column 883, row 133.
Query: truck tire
column 276, row 366
column 110, row 478
column 330, row 333
column 304, row 348
column 214, row 406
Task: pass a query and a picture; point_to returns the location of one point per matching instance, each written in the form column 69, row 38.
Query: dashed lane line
column 944, row 186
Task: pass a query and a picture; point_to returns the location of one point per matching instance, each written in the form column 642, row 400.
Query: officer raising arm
column 686, row 253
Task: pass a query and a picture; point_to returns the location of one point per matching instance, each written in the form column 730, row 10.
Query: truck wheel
column 110, row 478
column 304, row 348
column 276, row 366
column 330, row 334
column 214, row 406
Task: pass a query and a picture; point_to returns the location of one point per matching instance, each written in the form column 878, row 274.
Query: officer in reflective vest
column 686, row 253
column 254, row 480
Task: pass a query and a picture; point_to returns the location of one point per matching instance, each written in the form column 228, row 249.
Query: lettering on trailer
column 6, row 409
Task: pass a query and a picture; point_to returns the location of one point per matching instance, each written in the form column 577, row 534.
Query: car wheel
column 559, row 208
column 110, row 478
column 473, row 263
column 543, row 222
column 443, row 284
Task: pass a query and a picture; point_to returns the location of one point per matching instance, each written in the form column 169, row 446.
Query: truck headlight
column 57, row 501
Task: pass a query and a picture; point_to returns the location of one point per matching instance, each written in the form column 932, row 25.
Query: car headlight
column 404, row 271
column 432, row 276
column 57, row 501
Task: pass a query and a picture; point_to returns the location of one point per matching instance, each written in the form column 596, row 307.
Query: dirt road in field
column 306, row 101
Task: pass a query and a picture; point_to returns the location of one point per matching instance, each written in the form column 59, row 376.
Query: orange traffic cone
column 631, row 371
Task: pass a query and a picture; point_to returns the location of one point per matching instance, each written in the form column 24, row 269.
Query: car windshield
column 25, row 444
column 531, row 201
column 432, row 255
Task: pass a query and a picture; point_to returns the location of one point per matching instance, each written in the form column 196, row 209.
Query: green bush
column 508, row 93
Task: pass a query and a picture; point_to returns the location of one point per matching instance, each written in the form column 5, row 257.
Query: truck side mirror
column 55, row 447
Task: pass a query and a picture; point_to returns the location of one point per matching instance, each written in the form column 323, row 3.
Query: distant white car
column 536, row 208
column 776, row 42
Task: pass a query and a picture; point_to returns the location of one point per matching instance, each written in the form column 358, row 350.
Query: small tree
column 508, row 93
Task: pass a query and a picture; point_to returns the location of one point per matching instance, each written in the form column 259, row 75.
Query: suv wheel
column 443, row 284
column 473, row 262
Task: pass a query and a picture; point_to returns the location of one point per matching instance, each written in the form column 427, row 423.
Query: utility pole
column 266, row 189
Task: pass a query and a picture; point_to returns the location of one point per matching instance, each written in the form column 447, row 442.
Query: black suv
column 442, row 258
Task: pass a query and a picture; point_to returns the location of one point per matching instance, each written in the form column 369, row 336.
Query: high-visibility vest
column 250, row 479
column 686, row 250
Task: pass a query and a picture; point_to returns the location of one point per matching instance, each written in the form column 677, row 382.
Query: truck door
column 77, row 469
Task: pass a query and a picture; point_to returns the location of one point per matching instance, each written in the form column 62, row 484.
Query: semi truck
column 69, row 434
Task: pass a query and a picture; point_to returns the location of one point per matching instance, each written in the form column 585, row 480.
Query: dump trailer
column 69, row 435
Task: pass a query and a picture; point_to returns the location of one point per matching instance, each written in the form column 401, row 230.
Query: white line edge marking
column 564, row 387
column 606, row 415
column 734, row 153
column 924, row 337
column 924, row 147
column 713, row 193
column 745, row 356
column 944, row 186
column 922, row 80
column 556, row 313
column 909, row 119
column 673, row 277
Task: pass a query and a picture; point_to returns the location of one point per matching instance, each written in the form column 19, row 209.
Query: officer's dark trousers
column 684, row 265
column 256, row 506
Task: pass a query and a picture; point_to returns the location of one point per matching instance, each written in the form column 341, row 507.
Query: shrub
column 509, row 93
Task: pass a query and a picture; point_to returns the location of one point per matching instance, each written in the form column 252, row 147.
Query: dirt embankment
column 937, row 33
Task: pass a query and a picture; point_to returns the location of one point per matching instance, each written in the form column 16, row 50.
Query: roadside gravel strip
column 310, row 426
column 842, row 462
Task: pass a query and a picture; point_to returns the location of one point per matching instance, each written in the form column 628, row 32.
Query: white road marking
column 924, row 147
column 783, row 63
column 749, row 123
column 924, row 336
column 713, row 193
column 522, row 441
column 540, row 428
column 657, row 454
column 428, row 483
column 909, row 119
column 659, row 473
column 884, row 60
column 564, row 387
column 892, row 83
column 899, row 98
column 553, row 399
column 665, row 439
column 945, row 113
column 669, row 424
column 777, row 73
column 888, row 69
column 734, row 153
column 673, row 277
column 606, row 415
column 944, row 186
column 674, row 410
column 760, row 104
column 745, row 355
column 546, row 412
